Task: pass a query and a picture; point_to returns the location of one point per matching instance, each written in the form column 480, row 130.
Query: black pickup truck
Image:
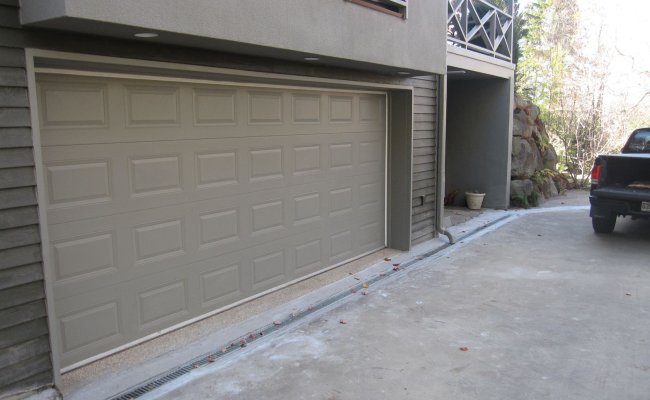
column 620, row 184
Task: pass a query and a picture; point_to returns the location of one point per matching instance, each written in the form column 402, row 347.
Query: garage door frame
column 398, row 160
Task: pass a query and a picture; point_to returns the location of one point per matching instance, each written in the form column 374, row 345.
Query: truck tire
column 603, row 225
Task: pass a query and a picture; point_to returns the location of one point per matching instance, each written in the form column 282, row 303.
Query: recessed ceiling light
column 311, row 58
column 146, row 35
column 403, row 73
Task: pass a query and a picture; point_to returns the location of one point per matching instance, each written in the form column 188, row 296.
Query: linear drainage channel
column 232, row 346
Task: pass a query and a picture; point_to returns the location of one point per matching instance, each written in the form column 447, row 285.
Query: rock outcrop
column 534, row 161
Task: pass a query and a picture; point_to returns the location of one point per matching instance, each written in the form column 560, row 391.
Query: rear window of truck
column 639, row 142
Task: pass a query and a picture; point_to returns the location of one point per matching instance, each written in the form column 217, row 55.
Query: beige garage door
column 167, row 200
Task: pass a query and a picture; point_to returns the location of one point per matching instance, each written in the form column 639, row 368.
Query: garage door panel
column 158, row 239
column 198, row 170
column 146, row 111
column 185, row 198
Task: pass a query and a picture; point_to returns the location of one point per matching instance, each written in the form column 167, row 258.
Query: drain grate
column 168, row 376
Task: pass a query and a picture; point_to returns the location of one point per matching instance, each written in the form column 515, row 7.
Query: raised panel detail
column 307, row 208
column 268, row 216
column 370, row 152
column 78, row 184
column 268, row 268
column 69, row 105
column 89, row 326
column 340, row 201
column 306, row 108
column 218, row 228
column 308, row 256
column 266, row 164
column 370, row 233
column 152, row 105
column 306, row 159
column 341, row 244
column 369, row 194
column 84, row 256
column 219, row 285
column 214, row 107
column 155, row 175
column 216, row 169
column 158, row 241
column 341, row 108
column 265, row 108
column 369, row 110
column 341, row 155
column 162, row 303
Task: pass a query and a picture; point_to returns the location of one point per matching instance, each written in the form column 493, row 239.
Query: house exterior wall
column 478, row 148
column 24, row 343
column 425, row 133
column 25, row 356
column 275, row 28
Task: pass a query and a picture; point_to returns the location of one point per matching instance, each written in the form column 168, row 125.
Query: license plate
column 645, row 206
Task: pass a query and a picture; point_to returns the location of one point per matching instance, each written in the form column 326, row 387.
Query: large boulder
column 549, row 158
column 533, row 112
column 522, row 103
column 521, row 188
column 526, row 158
column 520, row 126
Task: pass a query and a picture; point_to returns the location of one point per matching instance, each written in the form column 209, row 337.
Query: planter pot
column 474, row 200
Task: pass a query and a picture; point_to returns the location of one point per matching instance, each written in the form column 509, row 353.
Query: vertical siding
column 24, row 343
column 425, row 129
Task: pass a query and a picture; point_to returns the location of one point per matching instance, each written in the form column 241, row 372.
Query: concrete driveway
column 538, row 308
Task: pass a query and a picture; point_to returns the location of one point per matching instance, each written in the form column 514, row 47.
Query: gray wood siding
column 425, row 131
column 24, row 343
column 25, row 360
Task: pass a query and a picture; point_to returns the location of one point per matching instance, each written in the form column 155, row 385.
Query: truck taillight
column 595, row 174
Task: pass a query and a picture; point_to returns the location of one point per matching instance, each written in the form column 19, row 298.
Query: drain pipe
column 440, row 167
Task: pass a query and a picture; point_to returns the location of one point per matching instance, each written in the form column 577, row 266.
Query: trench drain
column 145, row 387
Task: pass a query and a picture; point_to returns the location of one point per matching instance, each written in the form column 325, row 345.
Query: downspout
column 440, row 150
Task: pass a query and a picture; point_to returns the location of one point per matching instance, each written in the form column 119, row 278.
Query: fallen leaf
column 464, row 349
column 364, row 293
column 276, row 323
column 628, row 294
column 251, row 337
column 387, row 259
column 195, row 365
column 224, row 350
column 357, row 278
column 343, row 322
column 365, row 286
column 211, row 359
column 242, row 343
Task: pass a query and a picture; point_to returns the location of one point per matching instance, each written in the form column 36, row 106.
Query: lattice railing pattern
column 481, row 26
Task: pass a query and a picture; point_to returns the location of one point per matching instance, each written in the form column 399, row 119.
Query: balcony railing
column 481, row 26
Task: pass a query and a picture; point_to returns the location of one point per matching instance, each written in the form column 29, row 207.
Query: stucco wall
column 478, row 139
column 336, row 29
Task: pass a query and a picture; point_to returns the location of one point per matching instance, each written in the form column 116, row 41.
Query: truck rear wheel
column 604, row 225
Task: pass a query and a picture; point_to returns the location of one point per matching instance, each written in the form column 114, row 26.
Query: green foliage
column 526, row 201
column 540, row 177
column 567, row 83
